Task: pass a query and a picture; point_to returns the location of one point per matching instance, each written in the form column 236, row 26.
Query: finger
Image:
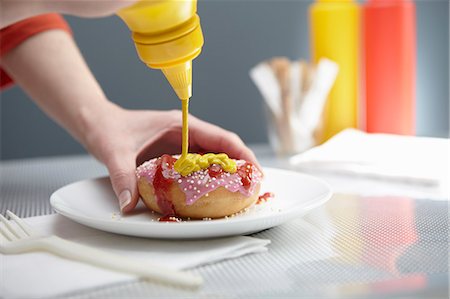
column 121, row 169
column 166, row 142
column 215, row 139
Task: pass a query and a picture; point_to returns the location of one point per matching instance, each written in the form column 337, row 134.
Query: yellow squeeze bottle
column 335, row 35
column 168, row 36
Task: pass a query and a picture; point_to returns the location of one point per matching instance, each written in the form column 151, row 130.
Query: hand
column 123, row 139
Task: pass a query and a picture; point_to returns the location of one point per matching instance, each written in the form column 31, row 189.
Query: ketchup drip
column 169, row 219
column 162, row 185
column 265, row 197
column 245, row 172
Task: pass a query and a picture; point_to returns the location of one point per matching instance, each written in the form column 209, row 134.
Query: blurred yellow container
column 168, row 36
column 335, row 35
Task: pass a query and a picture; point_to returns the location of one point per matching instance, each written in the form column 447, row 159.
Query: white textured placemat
column 303, row 260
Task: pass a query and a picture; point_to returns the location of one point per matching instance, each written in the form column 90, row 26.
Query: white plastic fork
column 19, row 237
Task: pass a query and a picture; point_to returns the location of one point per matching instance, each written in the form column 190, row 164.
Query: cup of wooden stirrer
column 294, row 94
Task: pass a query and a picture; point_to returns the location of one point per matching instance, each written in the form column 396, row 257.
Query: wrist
column 93, row 121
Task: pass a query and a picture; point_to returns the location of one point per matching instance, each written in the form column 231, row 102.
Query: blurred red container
column 390, row 66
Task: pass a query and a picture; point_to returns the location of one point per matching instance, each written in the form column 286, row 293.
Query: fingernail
column 124, row 199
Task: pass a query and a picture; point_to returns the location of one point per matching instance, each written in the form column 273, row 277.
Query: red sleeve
column 15, row 34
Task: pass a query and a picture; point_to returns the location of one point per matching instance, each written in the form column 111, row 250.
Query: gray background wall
column 238, row 35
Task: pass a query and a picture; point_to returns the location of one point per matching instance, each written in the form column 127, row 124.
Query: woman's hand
column 123, row 139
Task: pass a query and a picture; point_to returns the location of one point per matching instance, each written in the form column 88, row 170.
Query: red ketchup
column 215, row 170
column 169, row 219
column 265, row 197
column 162, row 186
column 245, row 172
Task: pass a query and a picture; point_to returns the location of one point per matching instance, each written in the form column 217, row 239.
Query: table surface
column 371, row 240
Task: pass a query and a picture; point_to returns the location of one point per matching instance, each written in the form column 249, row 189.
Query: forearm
column 49, row 67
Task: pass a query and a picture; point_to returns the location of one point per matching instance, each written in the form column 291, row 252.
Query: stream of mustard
column 189, row 163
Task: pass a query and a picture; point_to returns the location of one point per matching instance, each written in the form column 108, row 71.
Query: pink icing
column 199, row 183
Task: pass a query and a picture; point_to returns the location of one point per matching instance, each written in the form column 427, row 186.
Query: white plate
column 93, row 203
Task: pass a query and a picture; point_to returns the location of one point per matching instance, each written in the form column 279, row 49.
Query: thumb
column 123, row 179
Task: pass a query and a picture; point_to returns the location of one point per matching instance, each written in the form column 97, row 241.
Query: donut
column 208, row 192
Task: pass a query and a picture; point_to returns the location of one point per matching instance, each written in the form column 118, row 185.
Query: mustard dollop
column 190, row 163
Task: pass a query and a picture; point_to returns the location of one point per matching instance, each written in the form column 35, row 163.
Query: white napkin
column 39, row 274
column 408, row 159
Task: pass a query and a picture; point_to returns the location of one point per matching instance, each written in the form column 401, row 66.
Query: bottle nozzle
column 180, row 78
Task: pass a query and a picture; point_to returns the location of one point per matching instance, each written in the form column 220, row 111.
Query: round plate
column 93, row 203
